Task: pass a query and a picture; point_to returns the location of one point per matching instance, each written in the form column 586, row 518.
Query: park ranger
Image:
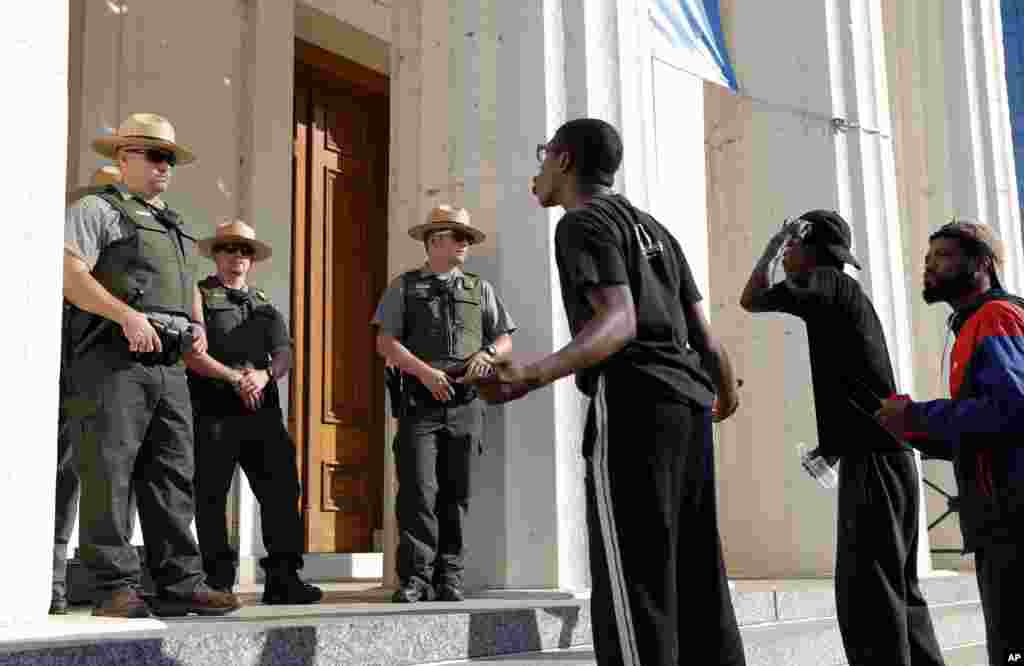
column 435, row 323
column 129, row 272
column 239, row 422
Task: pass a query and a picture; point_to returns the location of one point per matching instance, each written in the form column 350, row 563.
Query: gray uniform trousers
column 136, row 439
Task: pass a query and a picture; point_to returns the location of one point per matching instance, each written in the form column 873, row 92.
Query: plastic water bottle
column 817, row 467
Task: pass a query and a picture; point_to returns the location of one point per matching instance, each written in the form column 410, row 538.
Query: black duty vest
column 159, row 258
column 224, row 310
column 443, row 323
column 236, row 328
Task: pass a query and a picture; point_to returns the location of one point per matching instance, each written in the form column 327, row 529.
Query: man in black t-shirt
column 882, row 616
column 643, row 350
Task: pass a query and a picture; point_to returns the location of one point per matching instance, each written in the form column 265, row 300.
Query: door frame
column 313, row 64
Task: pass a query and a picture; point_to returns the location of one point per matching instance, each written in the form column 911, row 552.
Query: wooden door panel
column 347, row 290
column 343, row 269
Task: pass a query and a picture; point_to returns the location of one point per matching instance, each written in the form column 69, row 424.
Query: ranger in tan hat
column 435, row 323
column 129, row 272
column 68, row 483
column 105, row 175
column 238, row 417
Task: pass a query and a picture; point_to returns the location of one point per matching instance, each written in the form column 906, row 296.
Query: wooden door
column 340, row 245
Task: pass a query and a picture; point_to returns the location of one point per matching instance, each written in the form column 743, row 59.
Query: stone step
column 789, row 623
column 967, row 655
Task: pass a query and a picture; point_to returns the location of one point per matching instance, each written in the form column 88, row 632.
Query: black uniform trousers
column 433, row 451
column 259, row 443
column 659, row 590
column 136, row 439
column 883, row 617
column 1000, row 571
column 67, row 493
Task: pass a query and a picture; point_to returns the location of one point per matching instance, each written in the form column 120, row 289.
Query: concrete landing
column 784, row 623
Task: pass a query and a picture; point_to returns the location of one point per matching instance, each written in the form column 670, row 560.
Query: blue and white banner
column 692, row 31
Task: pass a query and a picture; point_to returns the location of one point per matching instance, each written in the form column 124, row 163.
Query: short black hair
column 595, row 148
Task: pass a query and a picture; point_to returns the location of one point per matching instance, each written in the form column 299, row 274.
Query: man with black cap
column 980, row 428
column 883, row 618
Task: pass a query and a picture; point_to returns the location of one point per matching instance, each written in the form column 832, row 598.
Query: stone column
column 774, row 151
column 954, row 151
column 473, row 92
column 981, row 142
column 36, row 39
column 265, row 150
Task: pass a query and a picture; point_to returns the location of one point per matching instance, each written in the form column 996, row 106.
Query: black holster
column 394, row 380
column 174, row 342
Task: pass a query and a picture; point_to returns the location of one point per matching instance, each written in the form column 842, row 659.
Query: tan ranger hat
column 235, row 232
column 447, row 217
column 143, row 129
column 107, row 175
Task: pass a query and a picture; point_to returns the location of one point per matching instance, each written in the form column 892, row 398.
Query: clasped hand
column 507, row 381
column 250, row 385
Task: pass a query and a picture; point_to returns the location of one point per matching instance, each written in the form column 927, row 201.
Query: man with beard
column 980, row 428
column 883, row 618
column 638, row 330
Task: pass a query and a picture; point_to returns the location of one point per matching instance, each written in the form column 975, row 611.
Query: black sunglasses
column 457, row 236
column 235, row 248
column 155, row 155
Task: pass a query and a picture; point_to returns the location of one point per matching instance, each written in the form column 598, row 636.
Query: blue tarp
column 692, row 30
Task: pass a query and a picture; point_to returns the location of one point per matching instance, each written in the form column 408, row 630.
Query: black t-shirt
column 850, row 367
column 604, row 244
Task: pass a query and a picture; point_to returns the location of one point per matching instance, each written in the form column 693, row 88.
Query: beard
column 951, row 288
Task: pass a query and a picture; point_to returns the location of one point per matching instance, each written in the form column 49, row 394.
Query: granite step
column 790, row 623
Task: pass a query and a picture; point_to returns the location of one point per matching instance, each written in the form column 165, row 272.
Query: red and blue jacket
column 981, row 429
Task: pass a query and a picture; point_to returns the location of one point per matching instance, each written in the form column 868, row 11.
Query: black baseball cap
column 831, row 232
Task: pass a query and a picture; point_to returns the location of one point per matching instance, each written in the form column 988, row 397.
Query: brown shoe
column 124, row 603
column 204, row 600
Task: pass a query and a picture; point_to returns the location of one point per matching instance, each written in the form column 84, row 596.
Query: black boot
column 283, row 585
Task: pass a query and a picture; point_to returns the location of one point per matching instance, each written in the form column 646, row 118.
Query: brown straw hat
column 235, row 232
column 143, row 129
column 446, row 217
column 106, row 175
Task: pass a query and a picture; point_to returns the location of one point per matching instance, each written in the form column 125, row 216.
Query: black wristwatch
column 491, row 349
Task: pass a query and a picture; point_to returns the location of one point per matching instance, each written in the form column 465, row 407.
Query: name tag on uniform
column 144, row 213
column 216, row 298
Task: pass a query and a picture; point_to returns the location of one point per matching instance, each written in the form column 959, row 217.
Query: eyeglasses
column 457, row 236
column 235, row 248
column 155, row 155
